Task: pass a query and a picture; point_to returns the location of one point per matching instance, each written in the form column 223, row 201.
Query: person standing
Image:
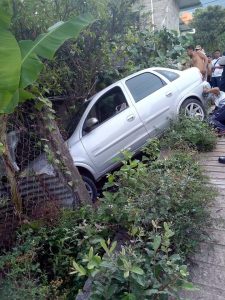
column 222, row 81
column 199, row 48
column 217, row 69
column 209, row 69
column 198, row 60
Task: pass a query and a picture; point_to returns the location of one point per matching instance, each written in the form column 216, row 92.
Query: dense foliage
column 209, row 25
column 116, row 45
column 190, row 133
column 155, row 209
column 22, row 61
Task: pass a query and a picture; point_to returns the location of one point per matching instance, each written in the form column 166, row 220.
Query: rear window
column 144, row 85
column 170, row 75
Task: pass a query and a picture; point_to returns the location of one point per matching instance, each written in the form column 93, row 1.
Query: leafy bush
column 116, row 45
column 158, row 207
column 146, row 269
column 164, row 198
column 190, row 132
column 43, row 255
column 173, row 190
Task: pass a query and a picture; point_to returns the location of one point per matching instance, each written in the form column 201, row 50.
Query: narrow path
column 208, row 265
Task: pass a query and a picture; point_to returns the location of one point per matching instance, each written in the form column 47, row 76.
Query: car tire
column 91, row 187
column 193, row 108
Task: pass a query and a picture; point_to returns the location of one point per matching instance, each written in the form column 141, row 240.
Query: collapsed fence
column 39, row 186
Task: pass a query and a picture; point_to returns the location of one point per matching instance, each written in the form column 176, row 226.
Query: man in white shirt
column 213, row 95
column 217, row 70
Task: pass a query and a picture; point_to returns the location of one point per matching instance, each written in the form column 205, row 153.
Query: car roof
column 152, row 69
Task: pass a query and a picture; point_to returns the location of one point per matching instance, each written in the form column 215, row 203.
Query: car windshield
column 76, row 118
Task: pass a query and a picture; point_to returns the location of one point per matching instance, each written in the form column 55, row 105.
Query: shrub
column 173, row 190
column 43, row 255
column 152, row 202
column 146, row 269
column 159, row 207
column 190, row 132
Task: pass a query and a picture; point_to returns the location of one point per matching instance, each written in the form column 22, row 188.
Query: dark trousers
column 222, row 82
column 216, row 81
column 222, row 85
column 220, row 115
column 218, row 119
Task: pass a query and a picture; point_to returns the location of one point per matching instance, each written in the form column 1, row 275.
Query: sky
column 210, row 2
column 213, row 2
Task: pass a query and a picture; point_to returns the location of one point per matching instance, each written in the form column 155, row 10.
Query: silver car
column 127, row 114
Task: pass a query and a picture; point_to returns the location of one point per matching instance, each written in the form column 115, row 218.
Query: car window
column 109, row 105
column 144, row 85
column 76, row 118
column 170, row 75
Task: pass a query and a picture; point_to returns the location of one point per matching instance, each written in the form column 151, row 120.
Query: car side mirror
column 91, row 123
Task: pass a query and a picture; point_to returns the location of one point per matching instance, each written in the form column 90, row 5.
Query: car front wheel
column 193, row 108
column 91, row 187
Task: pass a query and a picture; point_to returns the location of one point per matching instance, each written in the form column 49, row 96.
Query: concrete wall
column 165, row 13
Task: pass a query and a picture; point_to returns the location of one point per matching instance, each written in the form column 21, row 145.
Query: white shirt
column 220, row 100
column 217, row 72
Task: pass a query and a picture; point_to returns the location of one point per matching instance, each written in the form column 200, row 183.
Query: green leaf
column 156, row 243
column 113, row 247
column 2, row 148
column 126, row 274
column 137, row 270
column 46, row 45
column 95, row 262
column 8, row 102
column 5, row 13
column 10, row 64
column 129, row 297
column 79, row 269
column 104, row 246
column 183, row 271
column 25, row 95
column 189, row 286
column 91, row 253
column 31, row 67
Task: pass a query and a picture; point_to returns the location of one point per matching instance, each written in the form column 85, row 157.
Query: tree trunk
column 9, row 168
column 67, row 171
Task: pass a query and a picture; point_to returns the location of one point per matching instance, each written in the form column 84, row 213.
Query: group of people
column 212, row 69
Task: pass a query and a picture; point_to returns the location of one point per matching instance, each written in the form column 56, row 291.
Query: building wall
column 165, row 13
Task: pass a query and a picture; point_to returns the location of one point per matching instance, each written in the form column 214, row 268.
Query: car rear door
column 119, row 127
column 154, row 99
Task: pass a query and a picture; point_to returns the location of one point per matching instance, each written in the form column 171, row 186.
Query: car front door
column 154, row 100
column 112, row 125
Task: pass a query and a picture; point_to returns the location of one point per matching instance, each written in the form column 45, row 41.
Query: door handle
column 169, row 94
column 130, row 118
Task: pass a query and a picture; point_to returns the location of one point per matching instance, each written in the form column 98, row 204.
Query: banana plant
column 21, row 62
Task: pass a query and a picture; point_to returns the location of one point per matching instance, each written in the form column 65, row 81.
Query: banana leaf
column 20, row 64
column 10, row 64
column 46, row 45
